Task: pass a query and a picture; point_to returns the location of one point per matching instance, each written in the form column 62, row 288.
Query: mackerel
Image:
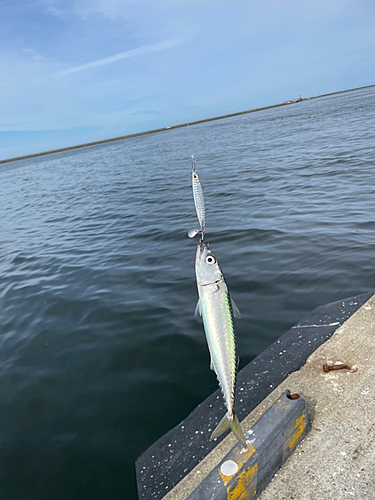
column 218, row 312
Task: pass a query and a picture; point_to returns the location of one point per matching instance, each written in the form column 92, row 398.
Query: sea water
column 100, row 351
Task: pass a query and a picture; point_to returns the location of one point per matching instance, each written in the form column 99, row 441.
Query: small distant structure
column 294, row 100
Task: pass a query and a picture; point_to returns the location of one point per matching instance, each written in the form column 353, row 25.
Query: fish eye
column 210, row 260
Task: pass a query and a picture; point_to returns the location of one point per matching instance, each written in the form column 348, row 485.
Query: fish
column 218, row 311
column 198, row 199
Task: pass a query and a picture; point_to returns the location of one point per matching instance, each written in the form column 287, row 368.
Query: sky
column 76, row 71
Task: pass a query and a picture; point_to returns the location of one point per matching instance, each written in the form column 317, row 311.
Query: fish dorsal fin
column 236, row 311
column 198, row 308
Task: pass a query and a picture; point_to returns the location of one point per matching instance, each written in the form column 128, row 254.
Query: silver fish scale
column 219, row 327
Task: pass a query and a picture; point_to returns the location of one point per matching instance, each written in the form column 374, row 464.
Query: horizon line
column 162, row 129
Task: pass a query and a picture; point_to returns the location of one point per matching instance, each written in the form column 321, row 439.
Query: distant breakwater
column 163, row 129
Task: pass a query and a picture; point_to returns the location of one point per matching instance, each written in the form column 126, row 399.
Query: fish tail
column 230, row 422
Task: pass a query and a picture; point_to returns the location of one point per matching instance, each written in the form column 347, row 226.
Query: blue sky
column 75, row 71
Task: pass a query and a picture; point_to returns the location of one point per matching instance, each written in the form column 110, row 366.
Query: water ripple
column 100, row 351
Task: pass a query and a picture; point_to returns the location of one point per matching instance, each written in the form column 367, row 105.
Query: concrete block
column 242, row 474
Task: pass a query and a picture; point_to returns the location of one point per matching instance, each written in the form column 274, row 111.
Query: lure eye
column 210, row 260
column 195, row 176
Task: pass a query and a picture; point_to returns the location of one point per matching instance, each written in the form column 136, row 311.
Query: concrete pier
column 336, row 459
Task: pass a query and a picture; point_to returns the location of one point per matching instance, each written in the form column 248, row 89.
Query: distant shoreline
column 103, row 141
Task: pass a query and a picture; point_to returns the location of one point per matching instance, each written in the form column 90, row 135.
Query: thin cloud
column 128, row 54
column 32, row 54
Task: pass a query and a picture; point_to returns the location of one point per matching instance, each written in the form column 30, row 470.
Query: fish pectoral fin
column 198, row 308
column 236, row 311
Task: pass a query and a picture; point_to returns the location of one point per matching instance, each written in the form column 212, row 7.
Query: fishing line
column 188, row 140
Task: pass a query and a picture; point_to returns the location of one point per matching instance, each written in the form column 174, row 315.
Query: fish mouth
column 202, row 247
